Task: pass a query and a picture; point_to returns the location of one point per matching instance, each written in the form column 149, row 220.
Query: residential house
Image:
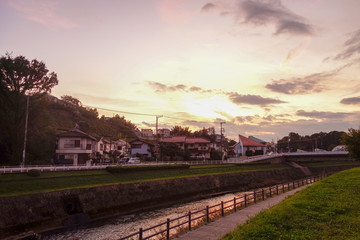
column 246, row 144
column 122, row 147
column 163, row 132
column 74, row 147
column 142, row 147
column 147, row 132
column 197, row 146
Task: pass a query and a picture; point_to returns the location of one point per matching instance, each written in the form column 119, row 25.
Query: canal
column 114, row 228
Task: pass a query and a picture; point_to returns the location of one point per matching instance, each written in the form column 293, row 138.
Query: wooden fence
column 166, row 229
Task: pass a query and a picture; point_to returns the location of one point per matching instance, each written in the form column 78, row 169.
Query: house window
column 88, row 146
column 101, row 147
column 119, row 147
column 72, row 144
column 135, row 145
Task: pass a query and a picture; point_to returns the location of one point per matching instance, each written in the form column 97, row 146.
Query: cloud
column 162, row 88
column 352, row 100
column 305, row 85
column 323, row 115
column 207, row 7
column 351, row 47
column 252, row 99
column 42, row 12
column 263, row 13
column 146, row 124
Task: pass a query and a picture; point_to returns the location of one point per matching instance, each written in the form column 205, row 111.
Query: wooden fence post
column 283, row 188
column 189, row 220
column 245, row 200
column 234, row 204
column 263, row 194
column 140, row 234
column 254, row 196
column 168, row 229
column 277, row 190
column 207, row 214
column 222, row 208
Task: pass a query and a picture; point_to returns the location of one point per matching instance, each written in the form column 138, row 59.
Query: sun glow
column 213, row 107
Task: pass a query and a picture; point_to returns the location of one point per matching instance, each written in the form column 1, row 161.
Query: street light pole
column 221, row 134
column 25, row 137
column 157, row 119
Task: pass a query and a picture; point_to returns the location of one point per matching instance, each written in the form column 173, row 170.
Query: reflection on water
column 115, row 228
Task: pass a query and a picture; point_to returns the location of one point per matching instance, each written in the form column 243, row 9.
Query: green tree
column 171, row 150
column 351, row 140
column 19, row 78
column 180, row 131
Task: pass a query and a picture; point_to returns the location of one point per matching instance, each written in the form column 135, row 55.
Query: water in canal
column 114, row 228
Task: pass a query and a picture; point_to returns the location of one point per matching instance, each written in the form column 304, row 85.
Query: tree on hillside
column 71, row 100
column 352, row 142
column 19, row 78
column 180, row 131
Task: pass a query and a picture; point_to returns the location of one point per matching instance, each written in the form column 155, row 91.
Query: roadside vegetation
column 17, row 184
column 330, row 209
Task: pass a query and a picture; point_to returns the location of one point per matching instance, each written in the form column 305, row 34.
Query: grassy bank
column 330, row 209
column 17, row 184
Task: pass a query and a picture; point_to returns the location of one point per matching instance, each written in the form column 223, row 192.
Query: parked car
column 134, row 160
column 124, row 160
column 107, row 160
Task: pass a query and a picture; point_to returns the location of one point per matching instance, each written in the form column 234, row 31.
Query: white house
column 142, row 147
column 74, row 147
column 247, row 144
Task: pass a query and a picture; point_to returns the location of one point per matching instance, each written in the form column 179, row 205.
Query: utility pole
column 157, row 119
column 25, row 137
column 221, row 134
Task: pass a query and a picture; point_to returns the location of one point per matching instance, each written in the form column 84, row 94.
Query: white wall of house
column 140, row 148
column 240, row 150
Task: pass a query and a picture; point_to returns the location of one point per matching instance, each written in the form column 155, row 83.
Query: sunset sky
column 266, row 68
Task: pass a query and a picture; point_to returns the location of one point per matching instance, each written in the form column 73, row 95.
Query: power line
column 146, row 114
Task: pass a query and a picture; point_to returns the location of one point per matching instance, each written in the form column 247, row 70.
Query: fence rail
column 205, row 215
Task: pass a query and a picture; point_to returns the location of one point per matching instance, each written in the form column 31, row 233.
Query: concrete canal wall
column 70, row 207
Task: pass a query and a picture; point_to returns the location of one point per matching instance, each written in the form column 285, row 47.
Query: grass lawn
column 17, row 184
column 330, row 209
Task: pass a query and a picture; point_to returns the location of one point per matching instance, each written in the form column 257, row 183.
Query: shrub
column 259, row 152
column 33, row 173
column 126, row 169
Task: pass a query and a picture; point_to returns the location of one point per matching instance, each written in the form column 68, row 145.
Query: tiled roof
column 257, row 139
column 76, row 133
column 197, row 140
column 248, row 142
column 184, row 139
column 175, row 139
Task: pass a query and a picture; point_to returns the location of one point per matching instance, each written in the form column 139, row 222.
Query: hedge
column 33, row 173
column 137, row 168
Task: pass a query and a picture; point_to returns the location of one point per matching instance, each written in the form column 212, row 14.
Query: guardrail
column 170, row 227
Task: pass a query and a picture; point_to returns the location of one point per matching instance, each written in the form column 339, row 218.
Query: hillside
column 49, row 116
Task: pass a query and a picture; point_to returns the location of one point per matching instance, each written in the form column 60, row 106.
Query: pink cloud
column 174, row 12
column 42, row 12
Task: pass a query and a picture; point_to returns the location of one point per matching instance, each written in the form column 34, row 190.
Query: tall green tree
column 19, row 78
column 351, row 140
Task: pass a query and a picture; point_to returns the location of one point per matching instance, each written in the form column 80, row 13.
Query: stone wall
column 70, row 207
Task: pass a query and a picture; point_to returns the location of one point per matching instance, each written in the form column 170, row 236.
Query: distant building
column 246, row 144
column 197, row 146
column 142, row 147
column 163, row 132
column 147, row 132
